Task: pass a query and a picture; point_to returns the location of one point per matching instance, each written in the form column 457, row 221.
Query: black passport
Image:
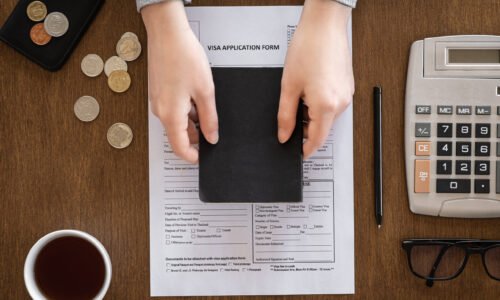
column 249, row 164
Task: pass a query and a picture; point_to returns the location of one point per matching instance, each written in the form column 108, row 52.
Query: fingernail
column 213, row 137
column 281, row 135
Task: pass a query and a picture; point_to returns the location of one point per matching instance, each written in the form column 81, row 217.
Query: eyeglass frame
column 484, row 246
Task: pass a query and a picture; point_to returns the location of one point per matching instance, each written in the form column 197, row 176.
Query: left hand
column 318, row 69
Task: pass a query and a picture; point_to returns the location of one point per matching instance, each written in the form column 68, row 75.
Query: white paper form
column 251, row 249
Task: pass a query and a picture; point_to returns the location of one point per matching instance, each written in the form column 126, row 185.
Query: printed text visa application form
column 251, row 249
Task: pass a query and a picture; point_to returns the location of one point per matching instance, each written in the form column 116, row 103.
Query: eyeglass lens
column 440, row 261
column 492, row 261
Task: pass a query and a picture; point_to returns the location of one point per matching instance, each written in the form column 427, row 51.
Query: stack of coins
column 128, row 49
column 86, row 108
column 55, row 25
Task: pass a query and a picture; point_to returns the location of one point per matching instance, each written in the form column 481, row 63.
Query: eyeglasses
column 445, row 259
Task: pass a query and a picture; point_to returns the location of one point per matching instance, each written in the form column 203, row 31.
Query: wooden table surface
column 57, row 172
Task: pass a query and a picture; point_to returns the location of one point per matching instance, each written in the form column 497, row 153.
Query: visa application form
column 251, row 249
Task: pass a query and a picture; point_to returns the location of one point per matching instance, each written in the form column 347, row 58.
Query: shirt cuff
column 142, row 3
column 350, row 3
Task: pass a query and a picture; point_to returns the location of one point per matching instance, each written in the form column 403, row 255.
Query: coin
column 56, row 24
column 39, row 36
column 92, row 65
column 120, row 135
column 130, row 34
column 86, row 108
column 128, row 48
column 36, row 11
column 114, row 63
column 119, row 81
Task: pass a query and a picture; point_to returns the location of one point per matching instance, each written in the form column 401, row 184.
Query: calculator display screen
column 474, row 56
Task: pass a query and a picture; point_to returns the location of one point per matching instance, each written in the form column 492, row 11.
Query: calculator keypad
column 459, row 151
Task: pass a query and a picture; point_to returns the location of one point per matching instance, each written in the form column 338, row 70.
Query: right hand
column 181, row 87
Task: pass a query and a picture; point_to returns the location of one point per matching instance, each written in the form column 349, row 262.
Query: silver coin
column 130, row 34
column 120, row 135
column 128, row 48
column 86, row 108
column 56, row 24
column 92, row 65
column 115, row 63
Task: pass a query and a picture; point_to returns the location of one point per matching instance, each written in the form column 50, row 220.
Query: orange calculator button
column 422, row 148
column 422, row 176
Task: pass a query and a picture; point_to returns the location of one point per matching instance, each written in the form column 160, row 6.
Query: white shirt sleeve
column 142, row 3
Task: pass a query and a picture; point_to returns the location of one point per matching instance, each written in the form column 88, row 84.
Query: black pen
column 377, row 104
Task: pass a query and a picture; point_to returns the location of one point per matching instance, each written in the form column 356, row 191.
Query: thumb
column 287, row 113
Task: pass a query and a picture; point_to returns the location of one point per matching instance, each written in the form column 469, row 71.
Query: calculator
column 452, row 126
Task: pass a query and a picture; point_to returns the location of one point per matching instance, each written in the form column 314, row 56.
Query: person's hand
column 318, row 69
column 181, row 87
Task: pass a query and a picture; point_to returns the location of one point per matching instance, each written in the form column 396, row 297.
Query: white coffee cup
column 29, row 265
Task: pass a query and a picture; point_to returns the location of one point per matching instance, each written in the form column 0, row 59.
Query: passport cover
column 16, row 31
column 249, row 164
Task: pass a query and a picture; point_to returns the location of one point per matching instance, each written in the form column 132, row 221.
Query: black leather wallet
column 16, row 31
column 249, row 164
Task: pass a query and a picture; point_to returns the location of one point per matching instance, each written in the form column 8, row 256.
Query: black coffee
column 69, row 268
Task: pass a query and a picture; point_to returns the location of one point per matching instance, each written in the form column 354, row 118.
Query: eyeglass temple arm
column 430, row 282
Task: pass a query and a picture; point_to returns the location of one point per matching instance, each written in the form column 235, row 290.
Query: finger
column 193, row 133
column 287, row 112
column 176, row 125
column 317, row 132
column 207, row 113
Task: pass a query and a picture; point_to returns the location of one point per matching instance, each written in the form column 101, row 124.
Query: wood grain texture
column 57, row 172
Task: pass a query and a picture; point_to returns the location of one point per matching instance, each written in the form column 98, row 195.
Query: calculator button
column 452, row 186
column 482, row 167
column 498, row 110
column 482, row 149
column 423, row 109
column 422, row 129
column 464, row 130
column 498, row 130
column 464, row 110
column 483, row 110
column 482, row 130
column 444, row 129
column 498, row 177
column 482, row 186
column 444, row 148
column 422, row 148
column 445, row 109
column 422, row 174
column 463, row 167
column 443, row 167
column 463, row 149
column 498, row 148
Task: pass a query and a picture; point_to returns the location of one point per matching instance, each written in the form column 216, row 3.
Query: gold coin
column 119, row 81
column 119, row 135
column 92, row 65
column 86, row 108
column 130, row 34
column 128, row 48
column 114, row 63
column 36, row 11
